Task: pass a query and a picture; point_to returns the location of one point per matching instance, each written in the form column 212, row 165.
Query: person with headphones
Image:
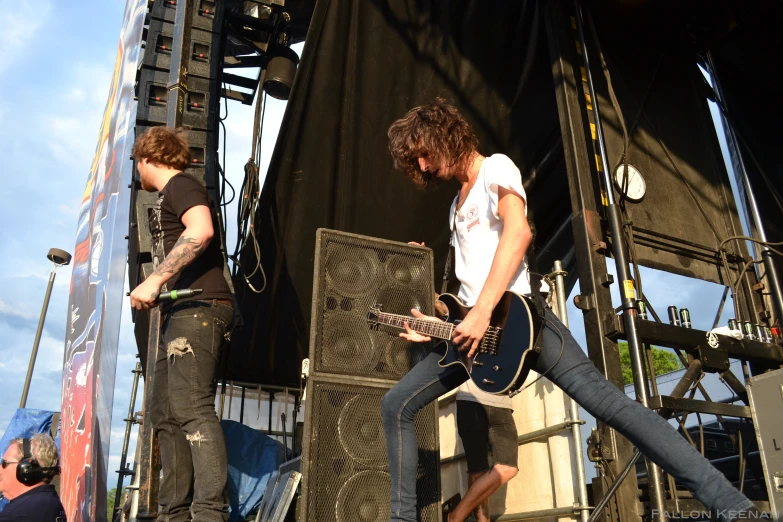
column 25, row 472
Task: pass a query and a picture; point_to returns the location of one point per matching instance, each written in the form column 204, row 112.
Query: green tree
column 110, row 496
column 664, row 361
column 110, row 503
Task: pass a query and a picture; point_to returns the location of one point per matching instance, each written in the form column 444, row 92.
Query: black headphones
column 28, row 471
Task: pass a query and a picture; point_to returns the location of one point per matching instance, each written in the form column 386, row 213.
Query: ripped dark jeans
column 192, row 449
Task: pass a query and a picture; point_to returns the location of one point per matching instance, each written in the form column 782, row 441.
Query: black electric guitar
column 505, row 354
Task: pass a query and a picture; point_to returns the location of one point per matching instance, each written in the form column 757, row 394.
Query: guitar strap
column 450, row 255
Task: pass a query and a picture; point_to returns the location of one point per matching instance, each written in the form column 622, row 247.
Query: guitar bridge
column 491, row 341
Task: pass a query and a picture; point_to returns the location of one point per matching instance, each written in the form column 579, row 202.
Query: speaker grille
column 353, row 273
column 347, row 474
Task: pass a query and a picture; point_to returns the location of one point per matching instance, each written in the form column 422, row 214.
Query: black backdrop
column 365, row 63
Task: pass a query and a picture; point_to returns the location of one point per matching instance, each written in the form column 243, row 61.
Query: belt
column 228, row 302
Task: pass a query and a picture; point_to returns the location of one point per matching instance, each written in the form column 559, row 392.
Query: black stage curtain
column 365, row 63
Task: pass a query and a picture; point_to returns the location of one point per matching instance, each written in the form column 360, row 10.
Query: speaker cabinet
column 345, row 468
column 152, row 93
column 206, row 14
column 346, row 472
column 353, row 273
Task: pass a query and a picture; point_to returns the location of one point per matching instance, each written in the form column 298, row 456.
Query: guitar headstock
column 373, row 315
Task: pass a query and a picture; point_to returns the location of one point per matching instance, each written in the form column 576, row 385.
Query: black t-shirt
column 40, row 504
column 180, row 194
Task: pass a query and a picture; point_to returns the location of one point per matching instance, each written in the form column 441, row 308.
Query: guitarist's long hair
column 436, row 131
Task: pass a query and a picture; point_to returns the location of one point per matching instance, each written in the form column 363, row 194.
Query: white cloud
column 71, row 210
column 18, row 27
column 14, row 311
column 71, row 136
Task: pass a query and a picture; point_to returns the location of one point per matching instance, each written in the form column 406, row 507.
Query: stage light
column 280, row 72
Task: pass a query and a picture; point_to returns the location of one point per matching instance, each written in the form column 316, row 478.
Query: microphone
column 178, row 294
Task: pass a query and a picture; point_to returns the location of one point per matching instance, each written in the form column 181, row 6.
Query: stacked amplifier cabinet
column 199, row 115
column 346, row 474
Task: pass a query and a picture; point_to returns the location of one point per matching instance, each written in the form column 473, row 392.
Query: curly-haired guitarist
column 490, row 235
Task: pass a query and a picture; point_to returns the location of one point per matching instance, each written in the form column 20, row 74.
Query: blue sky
column 55, row 73
column 55, row 70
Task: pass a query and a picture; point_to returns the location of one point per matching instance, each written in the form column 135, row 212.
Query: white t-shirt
column 468, row 391
column 477, row 229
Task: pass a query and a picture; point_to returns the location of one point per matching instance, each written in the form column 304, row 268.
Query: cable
column 754, row 240
column 246, row 225
column 735, row 285
column 249, row 197
column 562, row 349
column 226, row 181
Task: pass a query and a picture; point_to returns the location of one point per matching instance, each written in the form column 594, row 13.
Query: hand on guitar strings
column 468, row 334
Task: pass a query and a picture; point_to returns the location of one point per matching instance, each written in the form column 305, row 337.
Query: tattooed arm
column 193, row 241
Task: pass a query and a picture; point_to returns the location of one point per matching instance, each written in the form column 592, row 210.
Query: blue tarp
column 253, row 458
column 26, row 423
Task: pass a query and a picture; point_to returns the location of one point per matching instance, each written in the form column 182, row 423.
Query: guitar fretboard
column 438, row 329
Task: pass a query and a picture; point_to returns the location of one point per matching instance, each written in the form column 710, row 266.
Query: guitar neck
column 432, row 328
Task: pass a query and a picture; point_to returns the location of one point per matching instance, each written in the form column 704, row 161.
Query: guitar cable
column 562, row 349
column 552, row 326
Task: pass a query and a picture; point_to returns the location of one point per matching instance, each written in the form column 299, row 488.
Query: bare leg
column 481, row 488
column 482, row 511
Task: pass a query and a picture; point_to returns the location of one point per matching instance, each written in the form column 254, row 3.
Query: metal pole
column 534, row 515
column 559, row 274
column 720, row 307
column 134, row 491
column 770, row 266
column 576, row 428
column 37, row 340
column 129, row 422
column 627, row 291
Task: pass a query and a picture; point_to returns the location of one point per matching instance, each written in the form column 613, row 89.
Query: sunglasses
column 5, row 463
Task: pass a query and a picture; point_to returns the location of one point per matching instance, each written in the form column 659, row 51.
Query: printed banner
column 96, row 294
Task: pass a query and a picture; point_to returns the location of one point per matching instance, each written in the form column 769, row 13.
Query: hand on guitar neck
column 414, row 336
